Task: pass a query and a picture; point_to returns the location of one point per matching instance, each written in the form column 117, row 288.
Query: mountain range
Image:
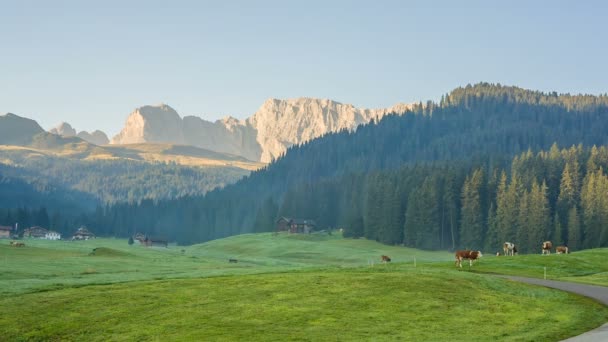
column 274, row 127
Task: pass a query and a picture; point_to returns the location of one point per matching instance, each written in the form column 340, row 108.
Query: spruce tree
column 574, row 230
column 471, row 226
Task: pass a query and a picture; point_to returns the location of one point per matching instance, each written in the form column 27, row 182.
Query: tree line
column 429, row 178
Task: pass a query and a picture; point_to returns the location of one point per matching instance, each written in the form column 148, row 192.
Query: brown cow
column 467, row 255
column 17, row 244
column 561, row 249
column 547, row 245
column 386, row 258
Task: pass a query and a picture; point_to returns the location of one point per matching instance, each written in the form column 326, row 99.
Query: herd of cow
column 509, row 249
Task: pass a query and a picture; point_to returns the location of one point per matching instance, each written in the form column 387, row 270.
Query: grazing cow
column 467, row 255
column 509, row 249
column 547, row 245
column 17, row 244
column 233, row 261
column 385, row 258
column 561, row 250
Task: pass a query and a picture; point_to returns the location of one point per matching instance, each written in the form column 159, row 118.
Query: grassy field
column 284, row 287
column 381, row 303
column 44, row 265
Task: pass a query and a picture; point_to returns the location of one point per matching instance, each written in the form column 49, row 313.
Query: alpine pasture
column 283, row 287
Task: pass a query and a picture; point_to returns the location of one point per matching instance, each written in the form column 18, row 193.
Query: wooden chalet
column 150, row 242
column 5, row 232
column 83, row 234
column 35, row 232
column 295, row 225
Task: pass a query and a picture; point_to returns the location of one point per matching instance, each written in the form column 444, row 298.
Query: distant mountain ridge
column 16, row 130
column 96, row 137
column 275, row 126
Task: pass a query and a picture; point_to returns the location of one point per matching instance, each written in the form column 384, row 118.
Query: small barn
column 295, row 225
column 35, row 232
column 83, row 234
column 151, row 242
column 5, row 232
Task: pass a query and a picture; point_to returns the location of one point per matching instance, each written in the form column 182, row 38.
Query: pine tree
column 450, row 199
column 574, row 229
column 507, row 209
column 558, row 233
column 523, row 223
column 492, row 242
column 538, row 215
column 471, row 227
column 413, row 220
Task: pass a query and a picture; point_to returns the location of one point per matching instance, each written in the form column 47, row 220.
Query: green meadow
column 284, row 287
column 588, row 266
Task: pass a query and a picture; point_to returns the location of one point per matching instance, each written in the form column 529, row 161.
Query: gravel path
column 599, row 293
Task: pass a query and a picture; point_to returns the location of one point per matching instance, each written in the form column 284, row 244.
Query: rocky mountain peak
column 17, row 130
column 275, row 126
column 64, row 129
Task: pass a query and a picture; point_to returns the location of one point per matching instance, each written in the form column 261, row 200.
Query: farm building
column 295, row 225
column 83, row 234
column 35, row 232
column 5, row 232
column 148, row 242
column 52, row 235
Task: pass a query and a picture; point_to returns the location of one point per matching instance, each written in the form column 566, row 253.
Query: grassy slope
column 311, row 288
column 183, row 155
column 588, row 266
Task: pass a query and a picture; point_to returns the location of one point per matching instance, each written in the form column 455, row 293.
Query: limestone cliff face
column 277, row 125
column 64, row 129
column 282, row 123
column 152, row 124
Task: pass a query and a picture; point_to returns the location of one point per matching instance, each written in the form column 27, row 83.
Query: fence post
column 545, row 276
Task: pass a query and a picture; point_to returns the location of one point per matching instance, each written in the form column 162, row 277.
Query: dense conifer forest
column 486, row 164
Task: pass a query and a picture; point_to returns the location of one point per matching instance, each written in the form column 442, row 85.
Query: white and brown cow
column 467, row 255
column 547, row 245
column 509, row 248
column 561, row 249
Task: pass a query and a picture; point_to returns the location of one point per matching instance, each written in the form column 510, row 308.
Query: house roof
column 304, row 222
column 35, row 230
column 9, row 228
column 83, row 231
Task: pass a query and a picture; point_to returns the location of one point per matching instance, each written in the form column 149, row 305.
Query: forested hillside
column 110, row 181
column 433, row 178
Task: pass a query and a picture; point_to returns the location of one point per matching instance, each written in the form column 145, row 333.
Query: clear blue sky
column 90, row 63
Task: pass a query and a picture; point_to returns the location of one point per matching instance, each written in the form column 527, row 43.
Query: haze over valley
column 303, row 171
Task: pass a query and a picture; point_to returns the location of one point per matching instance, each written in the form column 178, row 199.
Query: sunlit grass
column 379, row 303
